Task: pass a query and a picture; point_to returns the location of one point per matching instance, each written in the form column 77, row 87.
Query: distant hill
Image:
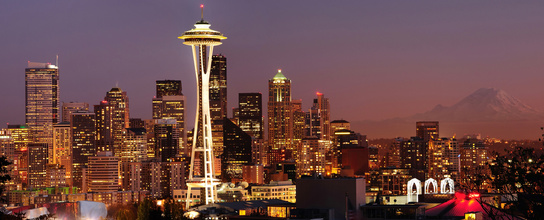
column 488, row 111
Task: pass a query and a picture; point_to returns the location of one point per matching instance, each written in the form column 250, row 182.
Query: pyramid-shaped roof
column 279, row 75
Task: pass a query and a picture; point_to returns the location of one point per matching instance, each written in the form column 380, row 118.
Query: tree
column 4, row 173
column 519, row 175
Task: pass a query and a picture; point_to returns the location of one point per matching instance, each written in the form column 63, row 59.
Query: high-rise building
column 312, row 157
column 237, row 151
column 118, row 99
column 427, row 130
column 250, row 114
column 104, row 126
column 318, row 119
column 37, row 162
column 70, row 107
column 134, row 147
column 168, row 88
column 83, row 144
column 42, row 100
column 413, row 154
column 167, row 140
column 170, row 106
column 218, row 100
column 61, row 153
column 280, row 115
column 103, row 172
column 203, row 39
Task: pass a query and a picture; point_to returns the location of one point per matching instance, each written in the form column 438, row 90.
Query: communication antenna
column 57, row 63
column 202, row 12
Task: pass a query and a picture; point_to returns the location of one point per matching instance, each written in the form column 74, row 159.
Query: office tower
column 55, row 175
column 167, row 140
column 168, row 88
column 103, row 174
column 318, row 119
column 280, row 115
column 312, row 157
column 42, row 100
column 134, row 147
column 203, row 39
column 427, row 130
column 218, row 100
column 118, row 99
column 413, row 154
column 443, row 158
column 37, row 161
column 253, row 174
column 298, row 127
column 83, row 144
column 250, row 114
column 7, row 146
column 104, row 126
column 352, row 153
column 22, row 136
column 61, row 153
column 70, row 107
column 474, row 156
column 237, row 151
column 170, row 104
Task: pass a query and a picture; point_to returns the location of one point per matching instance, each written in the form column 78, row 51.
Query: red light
column 104, row 101
column 201, row 6
column 474, row 195
column 318, row 93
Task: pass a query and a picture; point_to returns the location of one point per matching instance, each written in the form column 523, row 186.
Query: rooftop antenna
column 57, row 63
column 117, row 84
column 202, row 12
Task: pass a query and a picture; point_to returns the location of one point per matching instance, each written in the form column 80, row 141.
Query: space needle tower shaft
column 202, row 40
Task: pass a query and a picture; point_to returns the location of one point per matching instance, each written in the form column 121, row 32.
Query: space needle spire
column 202, row 40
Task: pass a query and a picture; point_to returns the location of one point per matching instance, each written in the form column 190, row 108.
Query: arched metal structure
column 428, row 182
column 447, row 186
column 413, row 193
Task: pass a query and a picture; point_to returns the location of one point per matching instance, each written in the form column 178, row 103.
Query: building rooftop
column 279, row 75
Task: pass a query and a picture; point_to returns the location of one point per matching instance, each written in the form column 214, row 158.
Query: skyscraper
column 280, row 121
column 318, row 119
column 83, row 143
column 427, row 130
column 218, row 100
column 104, row 126
column 70, row 107
column 168, row 88
column 203, row 39
column 42, row 100
column 118, row 99
column 169, row 103
column 250, row 114
column 237, row 152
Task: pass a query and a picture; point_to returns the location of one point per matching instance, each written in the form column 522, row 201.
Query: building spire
column 202, row 12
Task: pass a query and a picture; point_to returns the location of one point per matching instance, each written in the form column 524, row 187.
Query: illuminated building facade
column 103, row 172
column 134, row 147
column 318, row 119
column 167, row 140
column 61, row 153
column 237, row 151
column 413, row 154
column 83, row 144
column 202, row 40
column 218, row 100
column 168, row 88
column 280, row 115
column 169, row 103
column 284, row 190
column 118, row 100
column 312, row 157
column 104, row 126
column 42, row 100
column 70, row 107
column 250, row 114
column 427, row 130
column 37, row 162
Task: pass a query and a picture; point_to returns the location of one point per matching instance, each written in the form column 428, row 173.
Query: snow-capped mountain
column 485, row 104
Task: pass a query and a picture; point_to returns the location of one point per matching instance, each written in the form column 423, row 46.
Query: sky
column 374, row 60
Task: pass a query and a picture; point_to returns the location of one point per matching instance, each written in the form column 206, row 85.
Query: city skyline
column 451, row 49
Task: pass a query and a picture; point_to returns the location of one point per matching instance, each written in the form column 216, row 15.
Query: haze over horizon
column 374, row 60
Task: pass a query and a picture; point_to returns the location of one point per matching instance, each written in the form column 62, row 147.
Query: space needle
column 202, row 39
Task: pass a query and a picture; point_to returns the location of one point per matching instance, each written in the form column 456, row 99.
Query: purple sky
column 373, row 59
